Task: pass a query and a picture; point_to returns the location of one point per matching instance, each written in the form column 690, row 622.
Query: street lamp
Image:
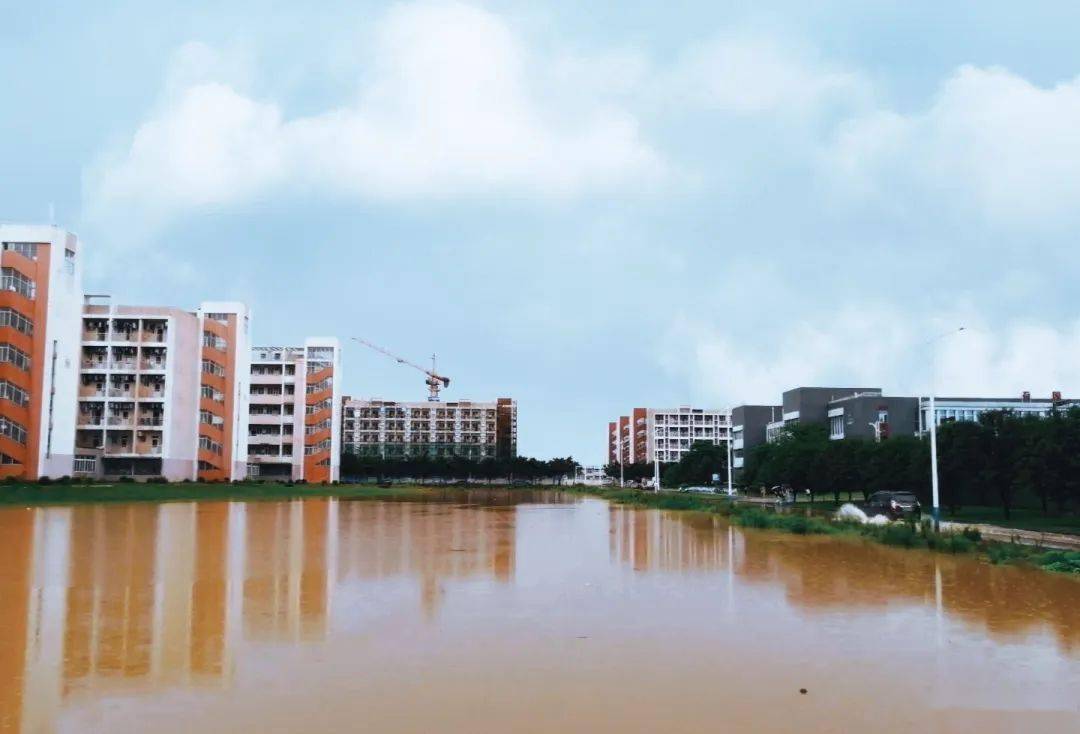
column 730, row 437
column 936, row 509
column 656, row 463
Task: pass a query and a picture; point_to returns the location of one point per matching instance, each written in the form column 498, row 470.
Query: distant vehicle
column 698, row 490
column 893, row 505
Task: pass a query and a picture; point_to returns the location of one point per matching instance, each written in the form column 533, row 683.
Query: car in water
column 893, row 505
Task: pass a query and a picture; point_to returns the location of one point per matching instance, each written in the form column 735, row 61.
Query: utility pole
column 935, row 494
column 730, row 487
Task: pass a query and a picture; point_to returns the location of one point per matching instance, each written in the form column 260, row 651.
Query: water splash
column 849, row 511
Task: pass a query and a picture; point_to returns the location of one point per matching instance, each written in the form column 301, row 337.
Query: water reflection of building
column 104, row 599
column 660, row 541
column 429, row 542
column 822, row 575
column 287, row 575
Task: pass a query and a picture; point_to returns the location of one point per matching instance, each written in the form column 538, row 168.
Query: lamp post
column 730, row 488
column 656, row 467
column 932, row 417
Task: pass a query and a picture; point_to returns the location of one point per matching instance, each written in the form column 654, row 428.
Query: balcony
column 122, row 391
column 266, row 399
column 152, row 364
column 92, row 390
column 265, row 439
column 119, row 421
column 122, row 365
column 153, row 333
column 151, row 420
column 267, row 419
column 94, row 364
column 268, row 379
column 90, row 419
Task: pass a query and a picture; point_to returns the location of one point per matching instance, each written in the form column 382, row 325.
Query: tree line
column 1004, row 460
column 696, row 468
column 457, row 468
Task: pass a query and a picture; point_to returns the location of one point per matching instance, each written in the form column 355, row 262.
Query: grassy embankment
column 1021, row 518
column 84, row 492
column 905, row 535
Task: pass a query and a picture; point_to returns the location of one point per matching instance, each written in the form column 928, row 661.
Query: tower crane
column 434, row 381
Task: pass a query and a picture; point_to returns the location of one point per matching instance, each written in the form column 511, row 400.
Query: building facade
column 159, row 392
column 664, row 434
column 748, row 424
column 294, row 412
column 223, row 390
column 40, row 305
column 391, row 430
column 947, row 410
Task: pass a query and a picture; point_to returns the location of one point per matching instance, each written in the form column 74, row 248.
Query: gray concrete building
column 748, row 424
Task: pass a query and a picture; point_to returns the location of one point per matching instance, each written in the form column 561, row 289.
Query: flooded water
column 503, row 616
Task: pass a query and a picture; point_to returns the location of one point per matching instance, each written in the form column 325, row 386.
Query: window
column 12, row 430
column 13, row 393
column 320, row 386
column 836, row 426
column 69, row 261
column 26, row 249
column 14, row 319
column 12, row 280
column 321, row 405
column 221, row 318
column 85, row 465
column 211, row 367
column 14, row 356
column 210, row 445
column 213, row 341
column 5, row 459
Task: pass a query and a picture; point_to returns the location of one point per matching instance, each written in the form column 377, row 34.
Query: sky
column 584, row 206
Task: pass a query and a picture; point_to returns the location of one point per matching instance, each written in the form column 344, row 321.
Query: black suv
column 893, row 505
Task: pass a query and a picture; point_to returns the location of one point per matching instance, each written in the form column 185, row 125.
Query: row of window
column 12, row 430
column 14, row 319
column 12, row 280
column 26, row 249
column 317, row 448
column 320, row 386
column 208, row 392
column 316, row 427
column 213, row 368
column 13, row 393
column 210, row 445
column 205, row 416
column 212, row 340
column 15, row 356
column 321, row 405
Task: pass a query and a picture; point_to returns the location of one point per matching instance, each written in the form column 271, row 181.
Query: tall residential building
column 294, row 412
column 223, row 390
column 159, row 392
column 40, row 303
column 664, row 434
column 389, row 429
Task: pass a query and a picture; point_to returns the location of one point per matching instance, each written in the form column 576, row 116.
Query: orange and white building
column 294, row 412
column 40, row 305
column 162, row 392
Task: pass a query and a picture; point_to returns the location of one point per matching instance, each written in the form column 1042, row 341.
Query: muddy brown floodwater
column 522, row 613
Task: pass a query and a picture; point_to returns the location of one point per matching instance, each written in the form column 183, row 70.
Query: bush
column 899, row 534
column 127, row 480
column 1006, row 552
column 66, row 479
column 44, row 480
column 1060, row 561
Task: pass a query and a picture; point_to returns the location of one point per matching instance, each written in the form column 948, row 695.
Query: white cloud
column 992, row 143
column 753, row 75
column 452, row 105
column 876, row 346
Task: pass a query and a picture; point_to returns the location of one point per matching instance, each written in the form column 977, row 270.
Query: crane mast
column 434, row 380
